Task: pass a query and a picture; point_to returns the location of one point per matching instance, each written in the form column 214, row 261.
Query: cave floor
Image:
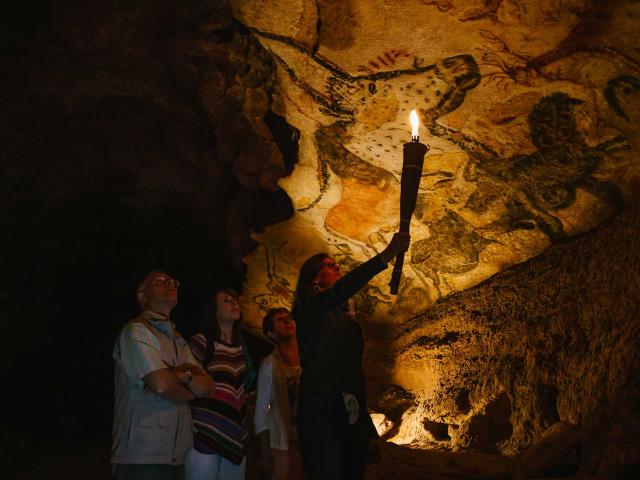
column 406, row 463
column 87, row 457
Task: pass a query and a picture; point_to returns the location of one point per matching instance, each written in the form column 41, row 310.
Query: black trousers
column 329, row 446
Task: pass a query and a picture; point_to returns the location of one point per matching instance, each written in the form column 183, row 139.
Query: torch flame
column 414, row 123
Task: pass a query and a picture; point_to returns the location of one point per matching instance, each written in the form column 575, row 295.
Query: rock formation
column 531, row 112
column 230, row 140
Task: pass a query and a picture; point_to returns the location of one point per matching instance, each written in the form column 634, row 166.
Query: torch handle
column 396, row 274
column 412, row 159
column 397, row 266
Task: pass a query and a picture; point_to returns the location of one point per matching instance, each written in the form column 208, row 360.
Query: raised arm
column 357, row 278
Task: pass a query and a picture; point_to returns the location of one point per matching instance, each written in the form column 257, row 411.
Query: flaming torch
column 412, row 159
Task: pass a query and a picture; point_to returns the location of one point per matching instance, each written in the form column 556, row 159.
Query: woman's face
column 228, row 309
column 283, row 326
column 328, row 274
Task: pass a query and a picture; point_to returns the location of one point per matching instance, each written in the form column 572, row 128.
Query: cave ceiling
column 530, row 109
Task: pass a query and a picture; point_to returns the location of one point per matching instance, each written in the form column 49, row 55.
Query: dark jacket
column 330, row 342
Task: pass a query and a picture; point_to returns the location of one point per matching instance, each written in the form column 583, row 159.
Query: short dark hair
column 309, row 272
column 267, row 321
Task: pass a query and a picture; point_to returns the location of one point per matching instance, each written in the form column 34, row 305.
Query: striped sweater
column 219, row 419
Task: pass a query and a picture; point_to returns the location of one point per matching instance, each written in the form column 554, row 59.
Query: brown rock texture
column 530, row 110
column 511, row 316
column 244, row 136
column 152, row 107
column 553, row 339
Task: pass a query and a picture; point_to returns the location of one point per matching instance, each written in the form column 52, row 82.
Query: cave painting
column 388, row 58
column 357, row 147
column 623, row 94
column 488, row 199
column 369, row 109
column 532, row 186
column 279, row 291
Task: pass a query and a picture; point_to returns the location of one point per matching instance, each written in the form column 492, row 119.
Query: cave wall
column 530, row 110
column 134, row 136
column 531, row 113
column 157, row 133
column 553, row 339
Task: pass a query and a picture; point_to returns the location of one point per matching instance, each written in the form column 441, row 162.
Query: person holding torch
column 334, row 426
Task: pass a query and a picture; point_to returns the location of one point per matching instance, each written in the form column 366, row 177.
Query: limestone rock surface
column 530, row 110
column 553, row 339
column 518, row 305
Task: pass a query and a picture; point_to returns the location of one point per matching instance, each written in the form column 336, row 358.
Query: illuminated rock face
column 531, row 110
column 140, row 135
column 553, row 339
column 532, row 126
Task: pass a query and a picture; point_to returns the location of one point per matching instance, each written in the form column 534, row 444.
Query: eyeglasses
column 330, row 264
column 166, row 281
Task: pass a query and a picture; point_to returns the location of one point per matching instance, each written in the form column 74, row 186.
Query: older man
column 155, row 375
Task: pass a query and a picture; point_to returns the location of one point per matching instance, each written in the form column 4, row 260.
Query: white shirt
column 277, row 400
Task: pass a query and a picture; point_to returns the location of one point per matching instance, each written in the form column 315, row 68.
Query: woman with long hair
column 219, row 419
column 333, row 423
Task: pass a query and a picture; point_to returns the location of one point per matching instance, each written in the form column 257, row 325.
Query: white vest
column 146, row 427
